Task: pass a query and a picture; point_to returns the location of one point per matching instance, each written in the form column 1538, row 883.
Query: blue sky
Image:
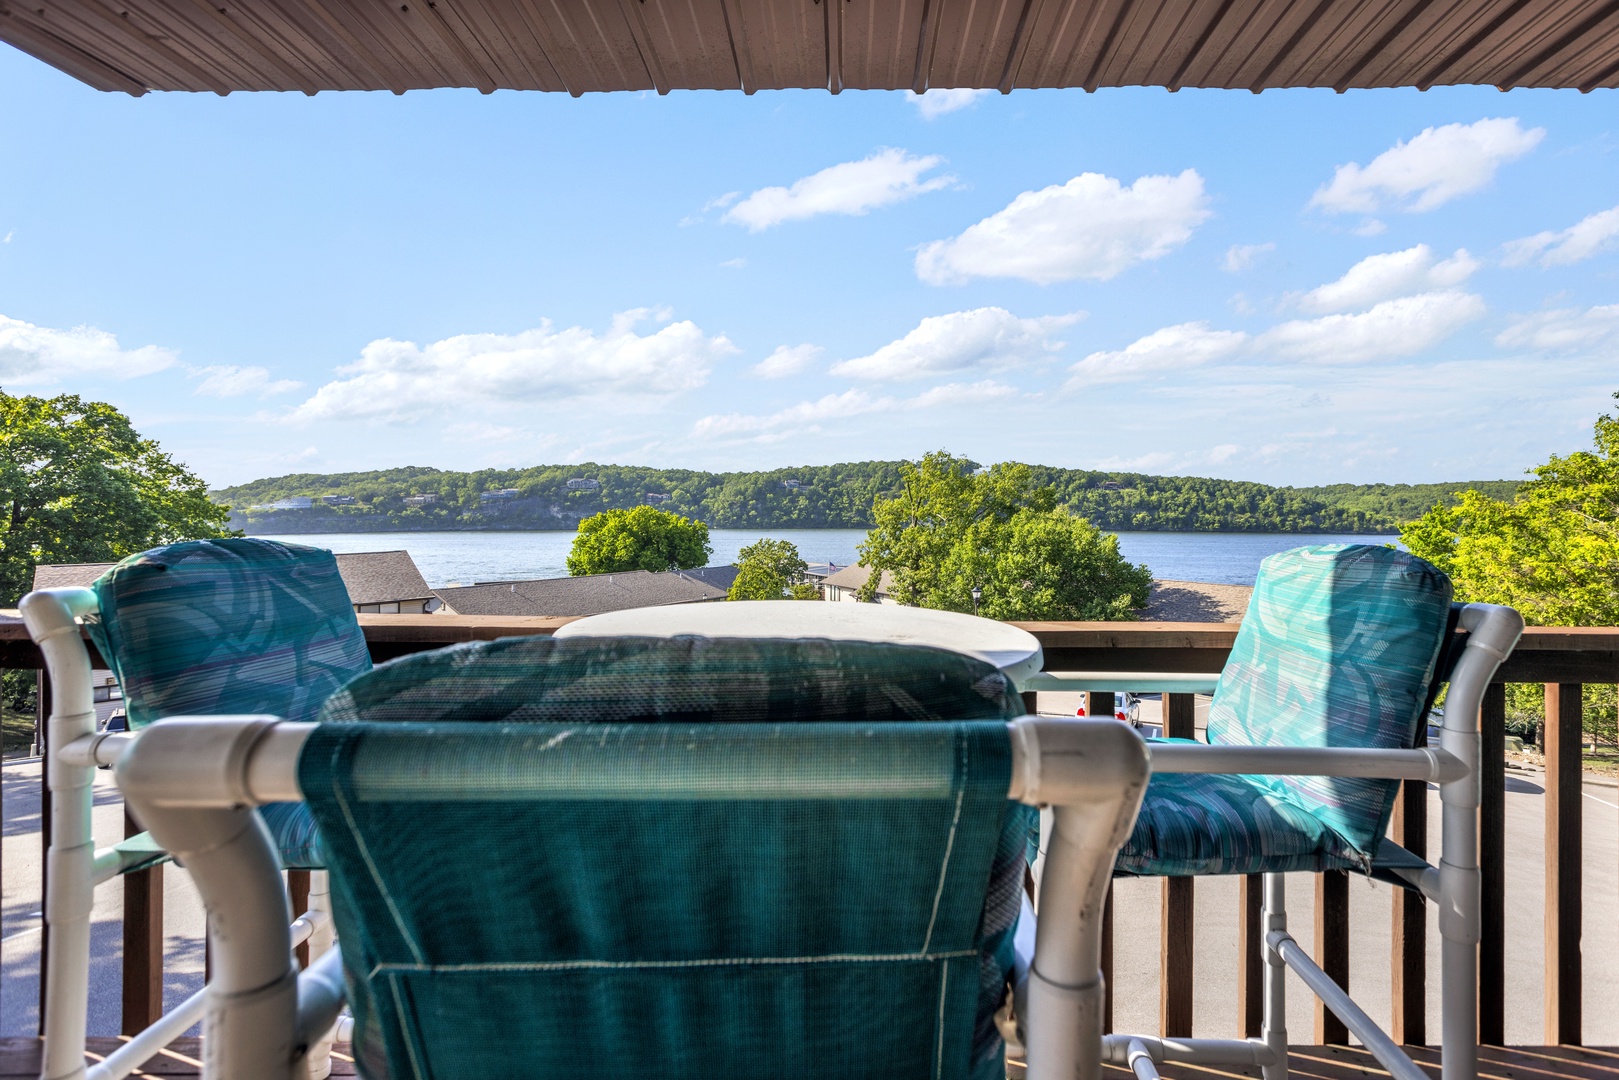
column 1296, row 287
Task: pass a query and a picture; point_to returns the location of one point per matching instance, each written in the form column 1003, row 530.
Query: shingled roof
column 69, row 575
column 382, row 577
column 588, row 595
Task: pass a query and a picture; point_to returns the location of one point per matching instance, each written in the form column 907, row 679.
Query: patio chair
column 203, row 627
column 1315, row 719
column 686, row 857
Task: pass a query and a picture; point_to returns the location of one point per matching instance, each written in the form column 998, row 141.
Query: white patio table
column 1014, row 651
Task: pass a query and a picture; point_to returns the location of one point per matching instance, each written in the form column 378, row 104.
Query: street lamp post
column 977, row 593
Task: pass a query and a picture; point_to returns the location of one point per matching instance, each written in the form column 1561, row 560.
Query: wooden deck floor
column 19, row 1058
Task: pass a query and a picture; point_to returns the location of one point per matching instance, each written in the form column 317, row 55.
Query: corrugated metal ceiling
column 591, row 45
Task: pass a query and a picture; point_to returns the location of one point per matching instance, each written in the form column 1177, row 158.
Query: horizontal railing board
column 1586, row 654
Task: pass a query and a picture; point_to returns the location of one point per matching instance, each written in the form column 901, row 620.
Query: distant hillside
column 811, row 497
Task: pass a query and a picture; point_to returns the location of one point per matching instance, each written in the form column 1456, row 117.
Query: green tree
column 1551, row 551
column 79, row 484
column 769, row 570
column 953, row 526
column 642, row 538
column 1046, row 564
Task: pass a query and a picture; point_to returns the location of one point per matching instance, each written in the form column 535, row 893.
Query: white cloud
column 228, row 380
column 1398, row 273
column 1239, row 257
column 734, row 264
column 1574, row 244
column 1173, row 348
column 481, row 431
column 401, row 381
column 1394, row 328
column 854, row 187
column 9, row 234
column 1434, row 167
column 31, row 355
column 1370, row 227
column 1092, row 227
column 806, row 417
column 718, row 203
column 786, row 360
column 936, row 102
column 988, row 338
column 1562, row 330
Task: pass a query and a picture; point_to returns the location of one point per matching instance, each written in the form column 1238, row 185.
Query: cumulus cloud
column 400, row 381
column 1574, row 244
column 1398, row 273
column 1092, row 227
column 937, row 102
column 1171, row 349
column 786, row 360
column 854, row 187
column 1431, row 169
column 1239, row 257
column 31, row 355
column 228, row 380
column 1562, row 330
column 988, row 338
column 1394, row 328
column 807, row 417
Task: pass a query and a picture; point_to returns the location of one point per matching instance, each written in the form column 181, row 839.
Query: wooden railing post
column 143, row 943
column 1176, row 924
column 1332, row 949
column 298, row 895
column 1408, row 988
column 1250, row 956
column 1563, row 842
column 1100, row 705
column 1492, row 861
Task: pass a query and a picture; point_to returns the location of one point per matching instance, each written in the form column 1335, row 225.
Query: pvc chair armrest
column 1130, row 682
column 1424, row 763
column 214, row 762
column 101, row 748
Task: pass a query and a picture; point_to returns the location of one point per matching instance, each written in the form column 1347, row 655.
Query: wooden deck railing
column 1561, row 658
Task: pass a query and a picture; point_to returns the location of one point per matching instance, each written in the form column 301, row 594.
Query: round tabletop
column 1015, row 652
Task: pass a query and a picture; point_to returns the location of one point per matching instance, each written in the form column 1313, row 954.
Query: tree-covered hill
column 810, row 497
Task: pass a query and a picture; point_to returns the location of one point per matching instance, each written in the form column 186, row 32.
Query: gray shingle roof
column 589, row 595
column 720, row 577
column 855, row 577
column 69, row 575
column 382, row 577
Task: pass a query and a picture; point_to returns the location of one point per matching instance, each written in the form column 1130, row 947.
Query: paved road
column 1137, row 907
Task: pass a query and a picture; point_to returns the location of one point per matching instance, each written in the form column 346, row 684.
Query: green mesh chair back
column 240, row 625
column 672, row 858
column 1338, row 648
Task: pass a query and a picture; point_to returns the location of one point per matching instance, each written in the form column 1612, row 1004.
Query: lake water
column 465, row 557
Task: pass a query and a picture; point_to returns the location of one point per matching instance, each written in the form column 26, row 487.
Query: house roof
column 592, row 45
column 588, row 595
column 382, row 577
column 855, row 577
column 371, row 577
column 69, row 575
column 720, row 577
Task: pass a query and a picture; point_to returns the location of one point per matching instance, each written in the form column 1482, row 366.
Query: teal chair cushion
column 1339, row 647
column 240, row 625
column 597, row 905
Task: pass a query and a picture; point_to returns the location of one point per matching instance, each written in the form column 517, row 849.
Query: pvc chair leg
column 320, row 943
column 1274, row 1028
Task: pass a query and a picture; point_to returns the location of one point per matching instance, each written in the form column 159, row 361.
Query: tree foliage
column 1552, row 552
column 642, row 538
column 79, row 484
column 811, row 497
column 952, row 527
column 770, row 570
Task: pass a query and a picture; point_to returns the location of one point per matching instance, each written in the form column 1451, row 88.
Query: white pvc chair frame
column 194, row 780
column 76, row 868
column 1454, row 765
